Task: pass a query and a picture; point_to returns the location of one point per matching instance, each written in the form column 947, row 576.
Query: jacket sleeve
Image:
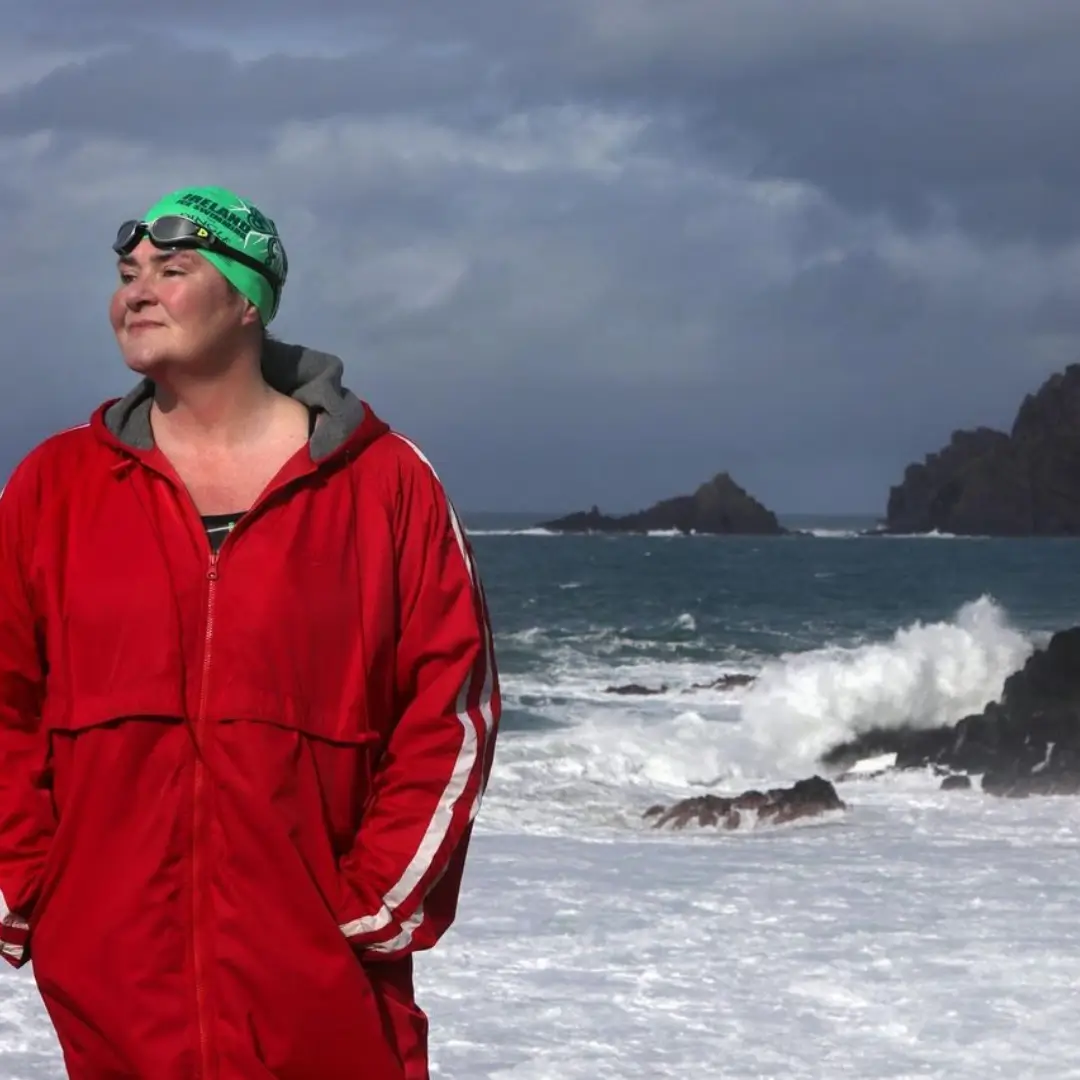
column 27, row 821
column 404, row 871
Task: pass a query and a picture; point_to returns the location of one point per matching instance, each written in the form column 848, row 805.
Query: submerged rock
column 805, row 798
column 723, row 682
column 956, row 782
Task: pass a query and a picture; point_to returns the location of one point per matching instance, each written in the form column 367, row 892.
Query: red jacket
column 237, row 791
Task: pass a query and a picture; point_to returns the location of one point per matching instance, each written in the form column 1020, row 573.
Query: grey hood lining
column 310, row 377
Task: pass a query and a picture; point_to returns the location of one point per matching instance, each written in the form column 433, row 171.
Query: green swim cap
column 238, row 223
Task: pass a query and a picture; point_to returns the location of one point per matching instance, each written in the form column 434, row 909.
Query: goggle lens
column 172, row 230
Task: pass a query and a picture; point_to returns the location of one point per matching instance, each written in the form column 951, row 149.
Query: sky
column 581, row 251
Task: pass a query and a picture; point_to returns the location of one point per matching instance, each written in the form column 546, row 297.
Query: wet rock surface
column 804, row 799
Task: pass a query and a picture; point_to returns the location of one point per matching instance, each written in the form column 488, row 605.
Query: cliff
column 991, row 483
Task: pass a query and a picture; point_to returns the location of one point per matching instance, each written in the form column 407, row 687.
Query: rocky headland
column 1024, row 482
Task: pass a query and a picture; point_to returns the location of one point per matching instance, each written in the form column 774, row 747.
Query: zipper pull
column 212, row 573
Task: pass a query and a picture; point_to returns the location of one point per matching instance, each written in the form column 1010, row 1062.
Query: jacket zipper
column 198, row 826
column 198, row 788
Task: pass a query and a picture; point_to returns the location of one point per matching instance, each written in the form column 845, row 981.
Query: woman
column 248, row 698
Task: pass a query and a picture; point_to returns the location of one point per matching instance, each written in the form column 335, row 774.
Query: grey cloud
column 580, row 254
column 914, row 109
column 938, row 134
column 140, row 91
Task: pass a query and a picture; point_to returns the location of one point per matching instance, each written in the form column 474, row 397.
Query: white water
column 931, row 935
column 531, row 531
column 926, row 676
column 921, row 934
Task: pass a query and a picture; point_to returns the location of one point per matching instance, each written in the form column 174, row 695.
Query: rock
column 991, row 483
column 908, row 745
column 956, row 782
column 1028, row 743
column 725, row 682
column 635, row 689
column 718, row 506
column 805, row 798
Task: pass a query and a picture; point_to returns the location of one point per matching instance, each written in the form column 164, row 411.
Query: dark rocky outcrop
column 805, row 798
column 726, row 682
column 1025, row 744
column 991, row 483
column 922, row 745
column 718, row 506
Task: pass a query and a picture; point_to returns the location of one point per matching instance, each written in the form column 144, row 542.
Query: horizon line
column 550, row 515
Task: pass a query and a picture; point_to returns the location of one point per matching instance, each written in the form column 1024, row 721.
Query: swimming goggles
column 174, row 231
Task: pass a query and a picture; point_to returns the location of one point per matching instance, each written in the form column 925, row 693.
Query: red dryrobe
column 237, row 790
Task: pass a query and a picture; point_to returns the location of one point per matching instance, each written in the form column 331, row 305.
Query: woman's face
column 174, row 308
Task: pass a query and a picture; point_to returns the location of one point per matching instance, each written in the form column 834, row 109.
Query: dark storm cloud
column 924, row 135
column 585, row 250
column 914, row 108
column 137, row 91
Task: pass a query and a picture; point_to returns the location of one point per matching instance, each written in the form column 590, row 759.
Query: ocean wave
column 531, row 531
column 926, row 675
column 617, row 750
column 933, row 534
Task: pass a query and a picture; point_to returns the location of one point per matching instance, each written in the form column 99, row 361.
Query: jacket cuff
column 14, row 940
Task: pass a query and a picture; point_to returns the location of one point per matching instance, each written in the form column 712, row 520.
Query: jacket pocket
column 117, row 784
column 304, row 781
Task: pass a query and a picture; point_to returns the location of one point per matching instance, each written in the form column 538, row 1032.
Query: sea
column 917, row 933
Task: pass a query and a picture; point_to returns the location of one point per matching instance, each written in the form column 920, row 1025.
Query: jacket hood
column 310, row 377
